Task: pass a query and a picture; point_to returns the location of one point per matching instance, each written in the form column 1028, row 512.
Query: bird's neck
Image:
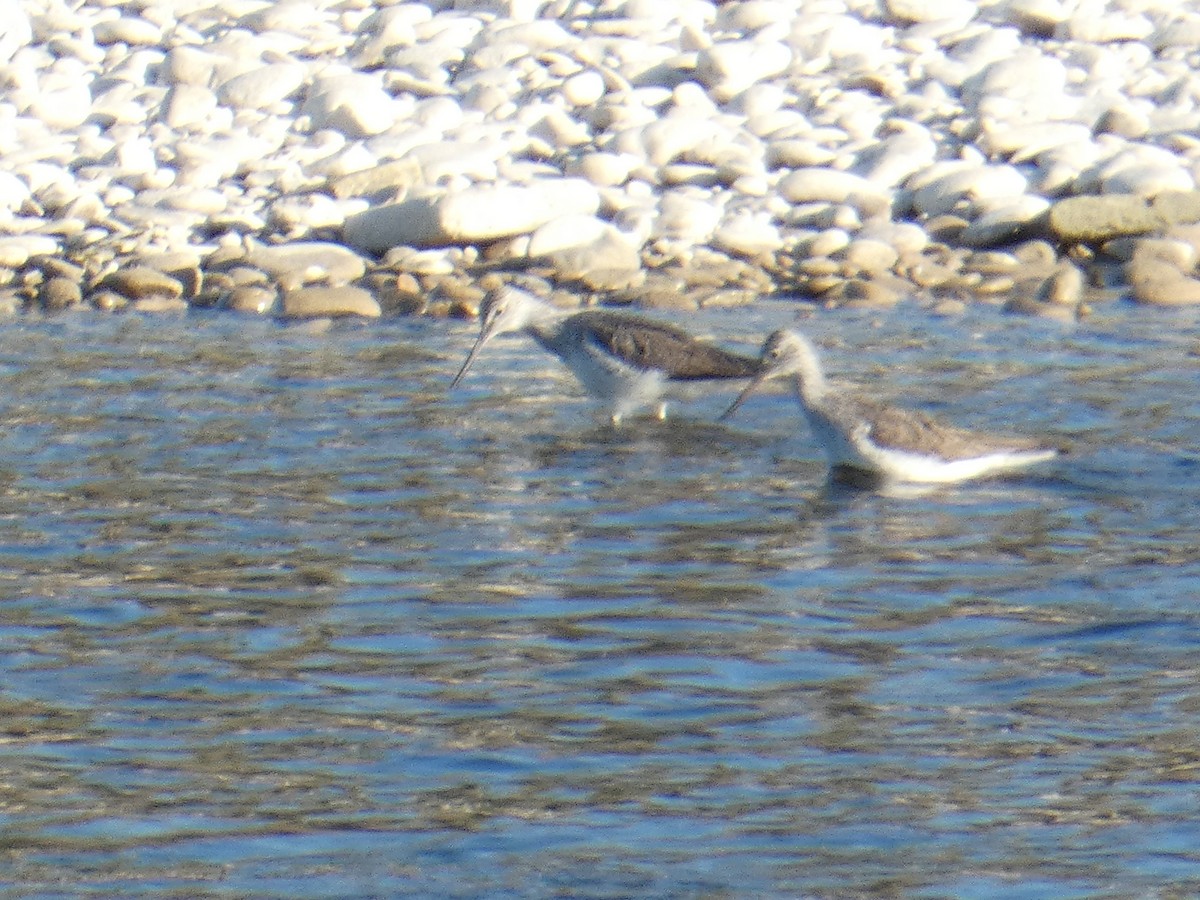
column 544, row 322
column 810, row 385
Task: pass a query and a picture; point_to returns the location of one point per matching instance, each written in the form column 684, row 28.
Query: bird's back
column 649, row 345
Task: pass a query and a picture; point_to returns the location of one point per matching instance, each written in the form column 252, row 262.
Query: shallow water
column 281, row 617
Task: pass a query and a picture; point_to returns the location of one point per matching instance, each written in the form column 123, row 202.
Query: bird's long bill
column 749, row 389
column 479, row 342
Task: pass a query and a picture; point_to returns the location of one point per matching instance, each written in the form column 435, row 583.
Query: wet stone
column 320, row 302
column 1095, row 219
column 250, row 299
column 158, row 304
column 59, row 293
column 138, row 282
column 107, row 301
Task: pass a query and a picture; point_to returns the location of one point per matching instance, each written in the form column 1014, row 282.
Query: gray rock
column 140, row 282
column 321, row 302
column 1158, row 282
column 308, row 262
column 59, row 293
column 1095, row 219
column 1178, row 207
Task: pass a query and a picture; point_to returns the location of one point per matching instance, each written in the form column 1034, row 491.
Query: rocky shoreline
column 313, row 158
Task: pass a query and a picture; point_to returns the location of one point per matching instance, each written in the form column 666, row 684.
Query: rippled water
column 280, row 617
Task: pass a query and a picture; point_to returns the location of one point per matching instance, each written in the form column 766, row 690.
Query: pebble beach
column 314, row 158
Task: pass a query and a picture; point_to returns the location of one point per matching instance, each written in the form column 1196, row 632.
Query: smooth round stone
column 250, row 299
column 729, row 67
column 1158, row 283
column 1098, row 219
column 126, row 29
column 605, row 169
column 898, row 156
column 395, row 175
column 667, row 139
column 352, row 103
column 609, row 262
column 1178, row 208
column 967, row 185
column 748, row 234
column 59, row 293
column 65, row 106
column 448, row 160
column 17, row 250
column 752, row 185
column 138, row 282
column 1005, row 223
column 1087, row 27
column 829, row 242
column 1124, row 119
column 1186, row 234
column 420, row 262
column 1182, row 255
column 686, row 217
column 1063, row 288
column 262, row 88
column 584, row 89
column 486, row 212
column 322, row 302
column 297, row 215
column 797, row 153
column 869, row 256
column 1038, row 18
column 908, row 12
column 565, row 232
column 189, row 65
column 16, row 30
column 158, row 304
column 190, row 104
column 1147, row 180
column 413, row 222
column 860, row 293
column 904, row 237
column 305, row 262
column 14, row 192
column 834, row 186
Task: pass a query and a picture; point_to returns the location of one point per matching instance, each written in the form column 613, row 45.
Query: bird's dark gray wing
column 647, row 344
column 914, row 431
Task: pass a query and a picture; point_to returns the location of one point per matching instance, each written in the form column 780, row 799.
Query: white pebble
column 263, row 87
column 584, row 89
column 353, row 103
column 15, row 28
column 17, row 250
column 563, row 232
column 126, row 29
column 686, row 216
column 908, row 12
column 730, row 67
column 817, row 184
column 748, row 233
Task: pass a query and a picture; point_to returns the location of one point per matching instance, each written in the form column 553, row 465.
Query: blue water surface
column 281, row 616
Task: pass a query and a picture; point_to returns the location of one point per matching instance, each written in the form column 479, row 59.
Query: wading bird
column 870, row 441
column 626, row 360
